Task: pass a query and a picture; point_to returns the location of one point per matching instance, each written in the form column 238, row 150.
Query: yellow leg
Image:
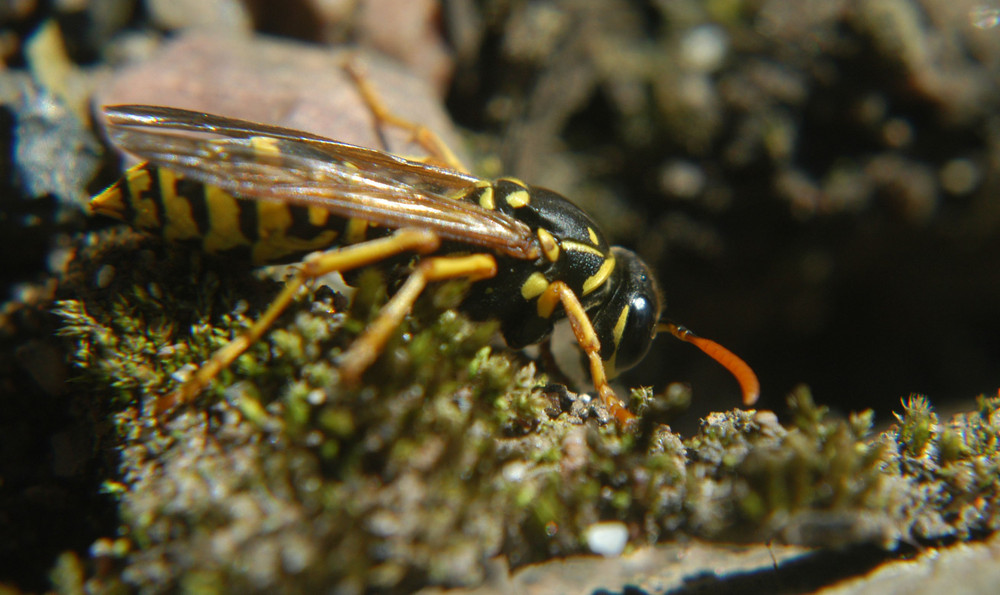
column 439, row 268
column 583, row 330
column 436, row 148
column 342, row 259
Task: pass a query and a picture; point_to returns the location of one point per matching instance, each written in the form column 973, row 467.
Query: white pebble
column 607, row 539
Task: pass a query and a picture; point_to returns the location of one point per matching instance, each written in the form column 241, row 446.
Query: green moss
column 448, row 452
column 946, row 476
column 916, row 426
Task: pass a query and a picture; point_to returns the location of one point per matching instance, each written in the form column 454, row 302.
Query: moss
column 449, row 452
column 278, row 465
column 945, row 476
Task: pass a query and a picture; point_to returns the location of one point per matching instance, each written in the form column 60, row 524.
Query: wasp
column 274, row 194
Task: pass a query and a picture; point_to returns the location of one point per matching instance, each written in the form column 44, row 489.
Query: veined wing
column 263, row 162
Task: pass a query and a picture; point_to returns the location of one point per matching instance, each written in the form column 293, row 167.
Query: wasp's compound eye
column 626, row 322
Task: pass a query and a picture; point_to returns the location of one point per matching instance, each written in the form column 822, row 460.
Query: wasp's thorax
column 613, row 284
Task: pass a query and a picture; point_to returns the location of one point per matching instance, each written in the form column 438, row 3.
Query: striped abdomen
column 159, row 201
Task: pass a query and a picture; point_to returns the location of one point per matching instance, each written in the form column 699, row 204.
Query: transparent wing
column 263, row 162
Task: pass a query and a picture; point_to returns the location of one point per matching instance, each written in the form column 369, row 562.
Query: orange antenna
column 729, row 360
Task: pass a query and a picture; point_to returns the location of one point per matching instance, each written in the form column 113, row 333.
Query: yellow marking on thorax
column 534, row 286
column 597, row 279
column 139, row 182
column 573, row 246
column 486, row 199
column 593, row 235
column 224, row 222
column 178, row 221
column 518, row 198
column 550, row 247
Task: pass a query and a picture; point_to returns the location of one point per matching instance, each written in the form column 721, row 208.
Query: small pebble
column 607, row 539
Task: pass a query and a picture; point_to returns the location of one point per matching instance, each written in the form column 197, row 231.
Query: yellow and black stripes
column 181, row 210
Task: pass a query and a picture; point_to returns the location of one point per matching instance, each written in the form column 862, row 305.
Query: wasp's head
column 626, row 321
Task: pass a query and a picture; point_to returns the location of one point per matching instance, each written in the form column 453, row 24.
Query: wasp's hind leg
column 437, row 150
column 341, row 259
